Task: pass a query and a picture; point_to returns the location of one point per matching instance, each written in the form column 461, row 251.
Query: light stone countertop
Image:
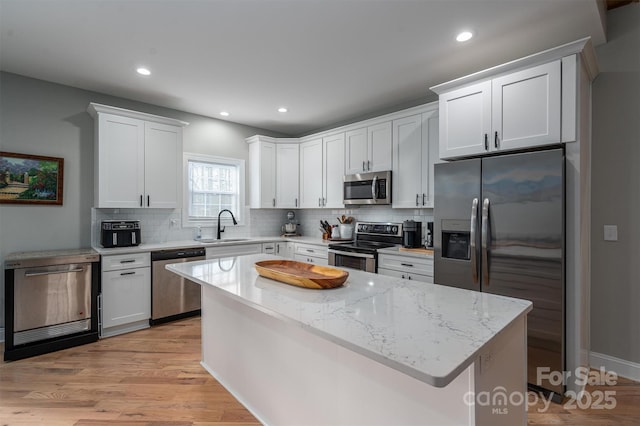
column 193, row 243
column 427, row 331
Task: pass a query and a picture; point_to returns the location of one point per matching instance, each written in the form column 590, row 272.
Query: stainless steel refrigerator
column 499, row 228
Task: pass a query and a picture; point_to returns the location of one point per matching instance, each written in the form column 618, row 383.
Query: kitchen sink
column 224, row 240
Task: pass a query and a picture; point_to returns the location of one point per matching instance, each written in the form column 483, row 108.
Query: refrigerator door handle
column 485, row 242
column 472, row 242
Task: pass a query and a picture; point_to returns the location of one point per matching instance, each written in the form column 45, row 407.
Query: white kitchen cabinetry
column 311, row 174
column 229, row 250
column 513, row 111
column 415, row 148
column 262, row 158
column 287, row 179
column 321, row 171
column 369, row 149
column 137, row 159
column 406, row 267
column 311, row 253
column 282, row 248
column 126, row 293
column 273, row 173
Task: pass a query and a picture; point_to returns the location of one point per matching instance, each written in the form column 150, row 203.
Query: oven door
column 361, row 261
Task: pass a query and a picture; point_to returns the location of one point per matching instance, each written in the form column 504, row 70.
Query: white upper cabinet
column 273, row 173
column 321, row 172
column 311, row 174
column 369, row 149
column 465, row 120
column 262, row 158
column 513, row 111
column 287, row 179
column 379, row 147
column 162, row 145
column 334, row 165
column 137, row 159
column 356, row 151
column 526, row 108
column 415, row 147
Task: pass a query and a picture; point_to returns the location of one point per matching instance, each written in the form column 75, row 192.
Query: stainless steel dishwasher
column 173, row 297
column 51, row 301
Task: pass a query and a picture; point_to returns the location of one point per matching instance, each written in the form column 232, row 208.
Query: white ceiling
column 328, row 61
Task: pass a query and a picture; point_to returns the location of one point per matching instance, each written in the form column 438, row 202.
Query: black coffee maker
column 411, row 234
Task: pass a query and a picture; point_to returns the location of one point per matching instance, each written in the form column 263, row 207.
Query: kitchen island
column 378, row 350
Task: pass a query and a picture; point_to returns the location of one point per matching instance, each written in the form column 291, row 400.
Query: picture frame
column 30, row 179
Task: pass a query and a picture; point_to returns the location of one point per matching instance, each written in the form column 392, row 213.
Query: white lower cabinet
column 126, row 293
column 406, row 267
column 233, row 250
column 311, row 253
column 282, row 249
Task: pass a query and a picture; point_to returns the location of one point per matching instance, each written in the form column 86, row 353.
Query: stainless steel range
column 362, row 253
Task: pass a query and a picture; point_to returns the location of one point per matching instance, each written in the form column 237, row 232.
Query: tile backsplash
column 165, row 225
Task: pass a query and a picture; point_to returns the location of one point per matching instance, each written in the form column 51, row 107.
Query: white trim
column 623, row 368
column 95, row 109
column 428, row 107
column 583, row 47
column 225, row 220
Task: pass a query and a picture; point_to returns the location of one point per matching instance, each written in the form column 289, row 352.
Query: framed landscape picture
column 30, row 179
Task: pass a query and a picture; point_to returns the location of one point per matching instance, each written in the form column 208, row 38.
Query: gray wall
column 615, row 266
column 37, row 117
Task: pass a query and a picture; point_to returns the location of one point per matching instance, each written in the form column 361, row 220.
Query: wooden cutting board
column 419, row 250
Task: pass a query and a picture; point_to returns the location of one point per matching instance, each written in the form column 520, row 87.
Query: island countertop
column 427, row 331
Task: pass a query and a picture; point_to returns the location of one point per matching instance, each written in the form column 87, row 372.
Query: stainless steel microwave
column 367, row 188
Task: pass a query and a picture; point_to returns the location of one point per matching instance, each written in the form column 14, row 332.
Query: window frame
column 225, row 219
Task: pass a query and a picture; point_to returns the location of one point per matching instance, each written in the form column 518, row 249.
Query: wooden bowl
column 302, row 274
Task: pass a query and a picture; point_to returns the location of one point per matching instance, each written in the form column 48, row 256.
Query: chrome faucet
column 235, row 222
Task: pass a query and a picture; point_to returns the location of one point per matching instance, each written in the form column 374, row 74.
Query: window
column 212, row 184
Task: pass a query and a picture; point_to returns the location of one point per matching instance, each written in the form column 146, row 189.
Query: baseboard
column 2, row 334
column 623, row 368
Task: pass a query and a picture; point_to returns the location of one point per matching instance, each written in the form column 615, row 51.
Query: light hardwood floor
column 153, row 377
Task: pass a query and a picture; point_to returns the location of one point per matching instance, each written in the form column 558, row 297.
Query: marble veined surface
column 430, row 332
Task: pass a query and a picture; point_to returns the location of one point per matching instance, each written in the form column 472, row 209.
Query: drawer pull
column 128, row 273
column 128, row 261
column 407, row 264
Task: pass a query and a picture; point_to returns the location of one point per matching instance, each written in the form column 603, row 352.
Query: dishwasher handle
column 38, row 274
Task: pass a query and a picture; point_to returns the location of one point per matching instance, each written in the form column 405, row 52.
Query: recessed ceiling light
column 282, row 109
column 143, row 71
column 224, row 113
column 464, row 36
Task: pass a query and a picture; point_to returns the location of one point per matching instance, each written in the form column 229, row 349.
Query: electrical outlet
column 610, row 232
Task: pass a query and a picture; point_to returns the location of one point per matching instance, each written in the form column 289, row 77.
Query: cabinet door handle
column 128, row 273
column 417, row 197
column 495, row 140
column 277, row 248
column 407, row 264
column 319, row 202
column 423, row 198
column 296, row 202
column 363, row 169
column 324, row 201
column 274, row 202
column 140, row 200
column 368, row 165
column 486, row 142
column 148, row 201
